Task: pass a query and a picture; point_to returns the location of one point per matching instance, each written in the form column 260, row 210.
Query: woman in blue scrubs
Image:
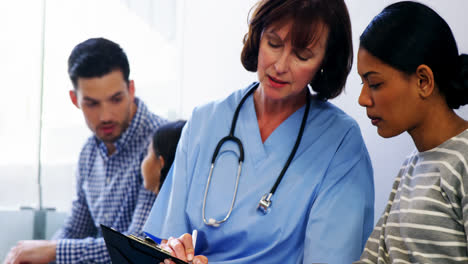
column 321, row 211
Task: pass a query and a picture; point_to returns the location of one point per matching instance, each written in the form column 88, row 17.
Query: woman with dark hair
column 160, row 155
column 413, row 77
column 274, row 173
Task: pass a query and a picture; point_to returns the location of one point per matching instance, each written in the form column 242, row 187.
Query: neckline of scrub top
column 279, row 139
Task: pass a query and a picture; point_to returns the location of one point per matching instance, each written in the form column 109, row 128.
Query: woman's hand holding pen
column 183, row 248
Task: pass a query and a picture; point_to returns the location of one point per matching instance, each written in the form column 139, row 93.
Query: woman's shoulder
column 450, row 159
column 454, row 148
column 457, row 143
column 325, row 112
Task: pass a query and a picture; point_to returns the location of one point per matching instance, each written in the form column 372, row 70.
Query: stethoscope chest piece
column 212, row 222
column 265, row 203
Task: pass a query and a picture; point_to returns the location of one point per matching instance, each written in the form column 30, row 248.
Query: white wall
column 19, row 225
column 212, row 43
column 211, row 69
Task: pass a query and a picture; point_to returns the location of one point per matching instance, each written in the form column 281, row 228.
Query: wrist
column 52, row 249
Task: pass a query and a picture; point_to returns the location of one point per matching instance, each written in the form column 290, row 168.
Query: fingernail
column 166, row 261
column 197, row 261
column 190, row 257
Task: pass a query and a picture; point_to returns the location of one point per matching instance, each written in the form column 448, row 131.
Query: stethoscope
column 265, row 201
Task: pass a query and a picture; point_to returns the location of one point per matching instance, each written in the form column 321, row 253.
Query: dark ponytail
column 457, row 94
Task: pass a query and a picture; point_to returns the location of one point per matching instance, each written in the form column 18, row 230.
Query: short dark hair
column 165, row 141
column 307, row 15
column 97, row 57
column 407, row 34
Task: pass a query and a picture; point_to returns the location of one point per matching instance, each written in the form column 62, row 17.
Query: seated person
column 160, row 155
column 273, row 173
column 109, row 187
column 413, row 79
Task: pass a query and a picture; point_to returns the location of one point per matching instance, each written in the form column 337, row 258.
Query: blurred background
column 182, row 54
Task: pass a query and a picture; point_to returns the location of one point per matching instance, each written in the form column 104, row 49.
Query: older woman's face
column 283, row 70
column 390, row 97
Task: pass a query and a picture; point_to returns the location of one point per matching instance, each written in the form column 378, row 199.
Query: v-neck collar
column 282, row 139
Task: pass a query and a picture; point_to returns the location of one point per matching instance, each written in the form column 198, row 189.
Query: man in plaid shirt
column 109, row 183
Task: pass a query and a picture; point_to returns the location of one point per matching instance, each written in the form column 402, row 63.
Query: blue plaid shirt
column 109, row 191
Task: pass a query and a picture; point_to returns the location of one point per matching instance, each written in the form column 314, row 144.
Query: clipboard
column 130, row 249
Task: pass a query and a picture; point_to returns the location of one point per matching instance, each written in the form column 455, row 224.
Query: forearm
column 88, row 250
column 142, row 210
column 32, row 251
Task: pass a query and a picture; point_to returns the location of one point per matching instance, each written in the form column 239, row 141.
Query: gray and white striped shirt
column 427, row 213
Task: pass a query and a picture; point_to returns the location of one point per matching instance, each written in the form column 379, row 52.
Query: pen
column 194, row 242
column 194, row 239
column 155, row 239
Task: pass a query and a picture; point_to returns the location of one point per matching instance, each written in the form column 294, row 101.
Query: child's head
column 161, row 154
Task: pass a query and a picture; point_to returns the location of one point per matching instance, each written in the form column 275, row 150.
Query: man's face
column 107, row 103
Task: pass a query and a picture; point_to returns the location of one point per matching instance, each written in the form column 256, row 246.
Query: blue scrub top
column 322, row 211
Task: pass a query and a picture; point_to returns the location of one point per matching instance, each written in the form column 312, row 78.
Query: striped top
column 427, row 212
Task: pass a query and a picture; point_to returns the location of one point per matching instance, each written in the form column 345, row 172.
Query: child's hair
column 165, row 141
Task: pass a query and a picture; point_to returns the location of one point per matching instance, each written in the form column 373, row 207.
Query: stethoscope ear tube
column 220, row 144
column 213, row 222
